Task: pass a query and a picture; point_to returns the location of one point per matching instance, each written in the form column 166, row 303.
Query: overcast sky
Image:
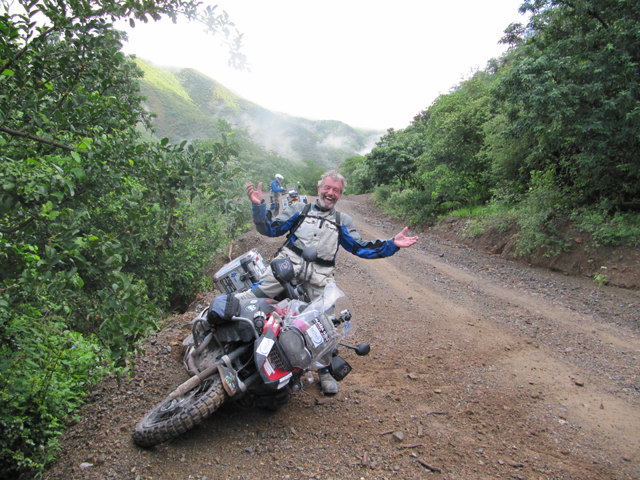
column 368, row 63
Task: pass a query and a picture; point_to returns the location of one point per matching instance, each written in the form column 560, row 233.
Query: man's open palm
column 255, row 196
column 402, row 241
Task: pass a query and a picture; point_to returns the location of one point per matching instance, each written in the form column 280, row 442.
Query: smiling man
column 321, row 226
column 318, row 225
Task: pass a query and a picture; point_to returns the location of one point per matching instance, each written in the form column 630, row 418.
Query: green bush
column 357, row 173
column 360, row 180
column 381, row 194
column 535, row 217
column 412, row 205
column 483, row 217
column 101, row 231
column 610, row 229
column 475, row 211
column 45, row 371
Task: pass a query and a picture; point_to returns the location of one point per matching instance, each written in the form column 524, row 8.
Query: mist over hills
column 189, row 104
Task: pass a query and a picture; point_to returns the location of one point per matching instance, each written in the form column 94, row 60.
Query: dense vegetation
column 105, row 228
column 101, row 231
column 549, row 131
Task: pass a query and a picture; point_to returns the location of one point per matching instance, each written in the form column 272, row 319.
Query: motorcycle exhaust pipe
column 194, row 381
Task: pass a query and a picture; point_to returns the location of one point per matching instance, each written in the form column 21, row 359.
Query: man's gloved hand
column 223, row 308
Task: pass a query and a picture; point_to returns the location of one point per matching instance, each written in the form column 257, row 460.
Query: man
column 319, row 225
column 274, row 195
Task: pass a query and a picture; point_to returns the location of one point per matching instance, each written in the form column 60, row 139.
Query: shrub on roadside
column 609, row 229
column 45, row 371
column 414, row 206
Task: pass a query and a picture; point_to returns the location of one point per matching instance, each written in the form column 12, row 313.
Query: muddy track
column 480, row 368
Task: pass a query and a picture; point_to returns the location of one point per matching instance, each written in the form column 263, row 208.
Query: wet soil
column 481, row 367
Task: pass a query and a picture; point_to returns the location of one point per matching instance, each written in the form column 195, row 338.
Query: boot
column 327, row 382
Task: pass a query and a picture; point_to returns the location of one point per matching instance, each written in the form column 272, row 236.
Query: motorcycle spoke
column 175, row 406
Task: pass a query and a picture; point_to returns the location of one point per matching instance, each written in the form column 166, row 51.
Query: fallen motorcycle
column 254, row 351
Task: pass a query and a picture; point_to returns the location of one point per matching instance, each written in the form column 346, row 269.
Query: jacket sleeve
column 279, row 226
column 353, row 243
column 275, row 187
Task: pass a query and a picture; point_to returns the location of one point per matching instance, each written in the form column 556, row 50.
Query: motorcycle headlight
column 292, row 343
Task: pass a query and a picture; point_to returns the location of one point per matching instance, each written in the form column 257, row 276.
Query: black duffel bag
column 223, row 308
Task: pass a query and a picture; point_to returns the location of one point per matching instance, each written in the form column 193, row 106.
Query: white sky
column 368, row 63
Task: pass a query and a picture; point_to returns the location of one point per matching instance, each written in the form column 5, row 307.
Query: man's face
column 329, row 193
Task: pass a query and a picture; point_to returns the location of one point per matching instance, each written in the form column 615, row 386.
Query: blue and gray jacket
column 275, row 188
column 326, row 231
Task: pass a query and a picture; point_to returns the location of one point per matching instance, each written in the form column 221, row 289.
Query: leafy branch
column 46, row 141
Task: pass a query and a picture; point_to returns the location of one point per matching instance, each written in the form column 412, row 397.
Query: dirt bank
column 619, row 266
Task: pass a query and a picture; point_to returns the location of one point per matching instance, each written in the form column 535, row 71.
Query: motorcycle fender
column 271, row 374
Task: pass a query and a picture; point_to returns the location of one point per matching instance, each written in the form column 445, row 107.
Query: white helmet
column 279, row 177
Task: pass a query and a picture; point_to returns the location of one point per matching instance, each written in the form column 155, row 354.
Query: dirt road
column 480, row 368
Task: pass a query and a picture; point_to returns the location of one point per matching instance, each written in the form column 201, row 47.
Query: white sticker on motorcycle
column 315, row 335
column 284, row 381
column 268, row 367
column 265, row 346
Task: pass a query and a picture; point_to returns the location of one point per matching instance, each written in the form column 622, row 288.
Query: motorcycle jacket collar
column 316, row 206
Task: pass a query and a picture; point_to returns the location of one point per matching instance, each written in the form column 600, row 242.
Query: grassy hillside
column 188, row 105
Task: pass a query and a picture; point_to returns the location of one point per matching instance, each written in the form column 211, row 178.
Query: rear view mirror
column 362, row 349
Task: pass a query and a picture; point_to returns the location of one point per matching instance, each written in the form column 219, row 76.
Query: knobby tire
column 173, row 417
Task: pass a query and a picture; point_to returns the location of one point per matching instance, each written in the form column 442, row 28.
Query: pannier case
column 241, row 273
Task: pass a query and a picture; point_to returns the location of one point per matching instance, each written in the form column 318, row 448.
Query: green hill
column 188, row 105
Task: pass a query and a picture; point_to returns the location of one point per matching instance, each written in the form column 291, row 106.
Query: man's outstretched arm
column 353, row 243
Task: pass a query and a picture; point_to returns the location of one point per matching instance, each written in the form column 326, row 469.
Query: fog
column 368, row 63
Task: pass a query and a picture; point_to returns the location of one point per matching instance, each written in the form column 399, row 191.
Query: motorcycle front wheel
column 174, row 416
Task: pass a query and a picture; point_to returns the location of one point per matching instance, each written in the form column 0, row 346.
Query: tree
column 454, row 139
column 100, row 230
column 357, row 174
column 576, row 97
column 393, row 159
